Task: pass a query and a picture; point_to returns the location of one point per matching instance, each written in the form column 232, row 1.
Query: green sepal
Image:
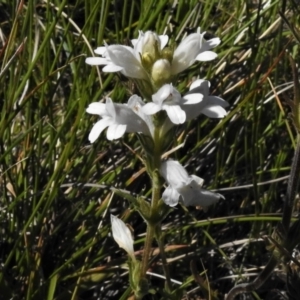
column 126, row 195
column 140, row 204
column 138, row 284
column 147, row 61
column 147, row 144
column 167, row 53
column 167, row 140
column 144, row 208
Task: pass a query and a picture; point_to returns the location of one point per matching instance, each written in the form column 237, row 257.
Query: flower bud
column 147, row 60
column 161, row 72
column 167, row 53
column 151, row 44
column 122, row 235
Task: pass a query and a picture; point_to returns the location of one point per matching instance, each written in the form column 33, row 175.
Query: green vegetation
column 56, row 189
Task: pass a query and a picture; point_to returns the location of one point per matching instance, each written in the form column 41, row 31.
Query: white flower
column 127, row 60
column 119, row 58
column 148, row 41
column 169, row 99
column 184, row 187
column 119, row 118
column 136, row 104
column 193, row 47
column 148, row 48
column 122, row 235
column 211, row 106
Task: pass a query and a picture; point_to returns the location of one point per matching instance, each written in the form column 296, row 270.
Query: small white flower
column 119, row 58
column 169, row 99
column 136, row 104
column 184, row 187
column 119, row 118
column 148, row 49
column 122, row 235
column 211, row 106
column 125, row 59
column 193, row 47
column 205, row 46
column 161, row 72
column 146, row 42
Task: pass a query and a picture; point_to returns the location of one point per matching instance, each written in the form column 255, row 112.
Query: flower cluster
column 153, row 65
column 149, row 58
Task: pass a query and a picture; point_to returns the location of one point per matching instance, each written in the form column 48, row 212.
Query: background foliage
column 55, row 196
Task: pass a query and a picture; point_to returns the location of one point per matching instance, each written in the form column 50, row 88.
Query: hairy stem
column 156, row 195
column 147, row 249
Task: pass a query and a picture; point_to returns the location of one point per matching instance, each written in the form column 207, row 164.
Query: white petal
column 97, row 108
column 96, row 61
column 213, row 42
column 111, row 68
column 170, row 196
column 185, row 54
column 136, row 104
column 110, row 108
column 134, row 41
column 188, row 187
column 214, row 111
column 125, row 57
column 125, row 115
column 189, row 192
column 199, row 197
column 122, row 114
column 214, row 100
column 199, row 86
column 206, row 56
column 198, row 83
column 174, row 173
column 198, row 180
column 194, row 110
column 135, row 100
column 122, row 235
column 101, row 50
column 98, row 128
column 175, row 113
column 163, row 41
column 138, row 43
column 115, row 131
column 192, row 98
column 162, row 94
column 151, row 108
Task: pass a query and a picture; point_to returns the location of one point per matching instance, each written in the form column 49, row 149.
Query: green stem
column 150, row 226
column 147, row 249
column 164, row 259
column 156, row 195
